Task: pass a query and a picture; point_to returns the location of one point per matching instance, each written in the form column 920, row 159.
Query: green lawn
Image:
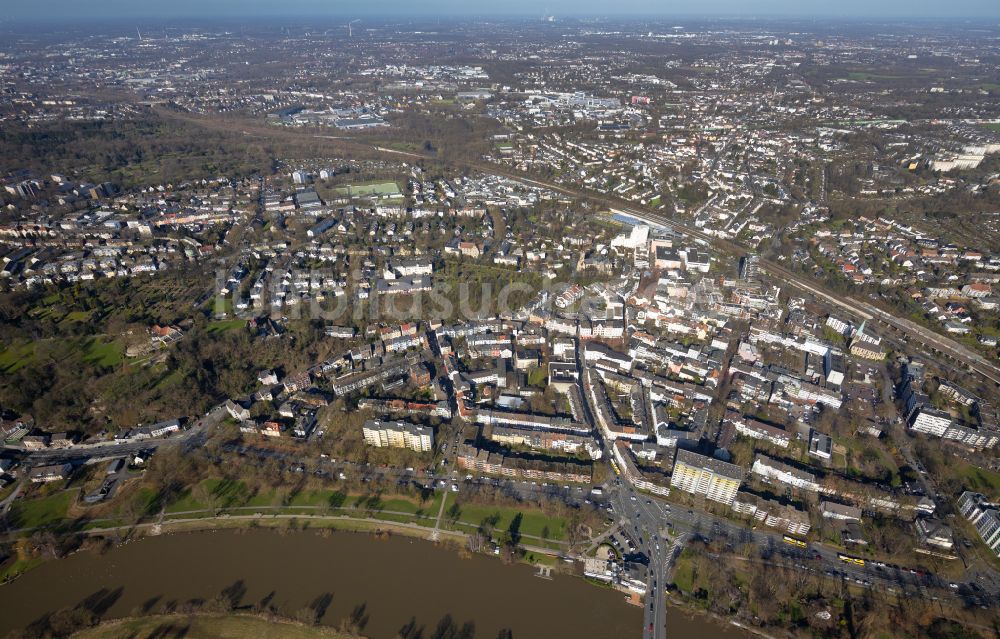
column 862, row 75
column 41, row 511
column 370, row 188
column 265, row 499
column 210, row 494
column 407, row 506
column 92, row 350
column 398, row 519
column 170, row 379
column 77, row 316
column 7, row 490
column 19, row 566
column 980, row 480
column 185, row 503
column 536, row 377
column 15, row 356
column 684, row 573
column 533, row 522
column 225, row 325
column 995, row 126
column 105, row 354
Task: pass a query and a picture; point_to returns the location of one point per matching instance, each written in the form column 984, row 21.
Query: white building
column 701, row 475
column 831, row 510
column 984, row 517
column 771, row 469
column 637, row 238
column 930, row 421
column 398, row 435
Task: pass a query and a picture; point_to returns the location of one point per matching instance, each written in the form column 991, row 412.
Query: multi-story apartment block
column 771, row 469
column 984, row 516
column 930, row 421
column 398, row 435
column 701, row 475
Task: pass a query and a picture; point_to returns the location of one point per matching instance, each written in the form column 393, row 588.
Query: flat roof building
column 716, row 480
column 397, row 434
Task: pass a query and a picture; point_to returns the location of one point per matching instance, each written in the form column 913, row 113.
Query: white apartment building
column 398, row 435
column 701, row 475
column 774, row 470
column 984, row 517
column 930, row 421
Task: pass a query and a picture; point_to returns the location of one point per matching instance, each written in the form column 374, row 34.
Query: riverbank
column 383, row 583
column 323, row 526
column 208, row 626
column 291, row 521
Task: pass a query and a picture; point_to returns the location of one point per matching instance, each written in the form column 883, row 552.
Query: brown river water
column 389, row 583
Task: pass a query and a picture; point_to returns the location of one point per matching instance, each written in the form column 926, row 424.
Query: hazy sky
column 241, row 9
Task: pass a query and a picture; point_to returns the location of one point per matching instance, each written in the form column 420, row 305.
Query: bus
column 794, row 542
column 614, row 467
column 857, row 561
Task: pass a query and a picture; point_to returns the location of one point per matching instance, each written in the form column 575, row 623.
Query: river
column 390, row 583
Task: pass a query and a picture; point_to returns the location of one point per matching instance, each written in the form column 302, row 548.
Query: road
column 647, row 517
column 921, row 340
column 80, row 454
column 644, row 523
column 659, row 529
column 933, row 345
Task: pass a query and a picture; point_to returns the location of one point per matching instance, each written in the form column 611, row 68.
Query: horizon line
column 466, row 17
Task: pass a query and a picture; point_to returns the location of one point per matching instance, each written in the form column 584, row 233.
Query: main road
column 932, row 343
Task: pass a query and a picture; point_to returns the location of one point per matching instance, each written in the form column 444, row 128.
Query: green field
column 221, row 494
column 371, row 188
column 225, row 325
column 863, row 76
column 41, row 511
column 980, row 480
column 104, row 354
column 20, row 566
column 995, row 126
column 206, row 627
column 77, row 316
column 684, row 573
column 14, row 357
column 211, row 494
column 533, row 521
column 92, row 350
column 536, row 377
